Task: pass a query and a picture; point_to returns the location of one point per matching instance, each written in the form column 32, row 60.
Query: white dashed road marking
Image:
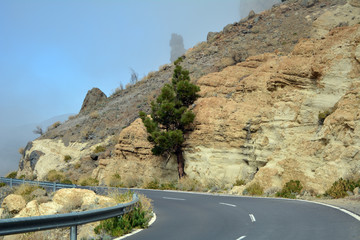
column 242, row 237
column 252, row 218
column 178, row 199
column 227, row 204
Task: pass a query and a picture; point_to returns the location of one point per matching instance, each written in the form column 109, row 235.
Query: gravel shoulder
column 351, row 203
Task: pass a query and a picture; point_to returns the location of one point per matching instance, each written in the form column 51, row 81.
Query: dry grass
column 55, row 176
column 120, row 196
column 77, row 165
column 54, row 125
column 25, row 191
column 75, row 203
column 88, row 181
column 21, row 151
column 59, row 234
column 94, row 115
column 72, row 117
column 115, row 181
column 189, row 184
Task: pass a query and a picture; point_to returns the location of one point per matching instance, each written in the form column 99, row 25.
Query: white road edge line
column 138, row 230
column 335, row 207
column 242, row 237
column 252, row 218
column 178, row 199
column 227, row 204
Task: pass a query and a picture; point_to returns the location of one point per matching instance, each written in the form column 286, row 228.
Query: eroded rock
column 13, row 203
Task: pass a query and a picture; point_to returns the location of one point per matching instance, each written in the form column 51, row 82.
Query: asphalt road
column 198, row 216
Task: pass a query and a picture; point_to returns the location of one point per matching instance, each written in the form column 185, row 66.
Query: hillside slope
column 257, row 118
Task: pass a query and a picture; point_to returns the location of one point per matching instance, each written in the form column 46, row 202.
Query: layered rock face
column 259, row 120
column 134, row 161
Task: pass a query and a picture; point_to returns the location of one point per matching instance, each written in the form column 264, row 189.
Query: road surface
column 182, row 215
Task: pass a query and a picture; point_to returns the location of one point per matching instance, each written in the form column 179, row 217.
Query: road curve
column 182, row 215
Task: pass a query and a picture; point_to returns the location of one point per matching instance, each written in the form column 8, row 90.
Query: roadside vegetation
column 118, row 226
column 290, row 190
column 342, row 188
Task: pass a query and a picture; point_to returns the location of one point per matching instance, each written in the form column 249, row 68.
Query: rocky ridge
column 257, row 118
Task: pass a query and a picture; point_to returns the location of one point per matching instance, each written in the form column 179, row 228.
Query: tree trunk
column 181, row 162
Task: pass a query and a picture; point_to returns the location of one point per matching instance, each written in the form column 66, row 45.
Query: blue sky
column 53, row 51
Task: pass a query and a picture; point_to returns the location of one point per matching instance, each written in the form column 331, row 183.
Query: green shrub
column 138, row 218
column 99, row 149
column 339, row 188
column 239, row 182
column 25, row 191
column 67, row 158
column 2, row 185
column 291, row 189
column 115, row 181
column 22, row 177
column 89, row 182
column 168, row 186
column 154, row 184
column 54, row 125
column 55, row 176
column 323, row 115
column 255, row 189
column 122, row 225
column 12, row 175
column 66, row 181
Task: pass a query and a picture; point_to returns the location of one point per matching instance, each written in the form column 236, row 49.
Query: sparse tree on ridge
column 134, row 77
column 38, row 130
column 170, row 116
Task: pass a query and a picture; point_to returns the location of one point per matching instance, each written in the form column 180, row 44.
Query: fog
column 53, row 52
column 257, row 5
column 177, row 46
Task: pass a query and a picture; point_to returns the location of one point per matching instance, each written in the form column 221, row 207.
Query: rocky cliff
column 279, row 101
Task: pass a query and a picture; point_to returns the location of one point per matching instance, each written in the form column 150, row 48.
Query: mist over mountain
column 15, row 137
column 177, row 46
column 257, row 6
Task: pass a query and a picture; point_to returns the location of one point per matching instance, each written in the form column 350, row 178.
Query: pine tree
column 170, row 116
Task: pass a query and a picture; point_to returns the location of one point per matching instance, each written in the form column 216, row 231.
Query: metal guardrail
column 39, row 223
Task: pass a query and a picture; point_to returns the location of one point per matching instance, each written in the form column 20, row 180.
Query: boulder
column 251, row 14
column 356, row 191
column 50, row 208
column 93, row 98
column 74, row 197
column 31, row 209
column 308, row 3
column 14, row 203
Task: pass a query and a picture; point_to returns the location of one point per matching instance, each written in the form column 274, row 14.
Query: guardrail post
column 54, row 187
column 73, row 232
column 11, row 182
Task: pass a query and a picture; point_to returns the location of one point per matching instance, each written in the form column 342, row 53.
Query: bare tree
column 38, row 130
column 134, row 76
